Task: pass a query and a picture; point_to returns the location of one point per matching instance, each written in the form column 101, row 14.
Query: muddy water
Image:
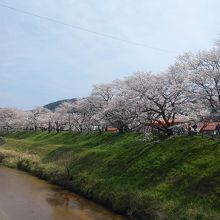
column 24, row 197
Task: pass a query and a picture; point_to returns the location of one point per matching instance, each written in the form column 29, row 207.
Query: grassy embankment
column 174, row 179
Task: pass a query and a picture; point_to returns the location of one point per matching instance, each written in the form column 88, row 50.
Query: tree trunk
column 49, row 127
column 57, row 126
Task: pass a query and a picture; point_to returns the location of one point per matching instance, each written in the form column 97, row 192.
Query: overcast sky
column 42, row 61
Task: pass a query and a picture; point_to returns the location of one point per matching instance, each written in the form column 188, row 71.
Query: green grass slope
column 178, row 178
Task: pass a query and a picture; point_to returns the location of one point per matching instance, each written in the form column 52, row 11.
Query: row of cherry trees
column 188, row 89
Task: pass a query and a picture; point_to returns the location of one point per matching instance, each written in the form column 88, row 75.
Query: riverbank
column 171, row 179
column 36, row 199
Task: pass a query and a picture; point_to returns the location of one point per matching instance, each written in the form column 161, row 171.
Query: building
column 207, row 127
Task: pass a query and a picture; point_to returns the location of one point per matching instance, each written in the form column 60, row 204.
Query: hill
column 52, row 106
column 175, row 178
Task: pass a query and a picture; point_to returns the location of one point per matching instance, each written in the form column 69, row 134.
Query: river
column 25, row 197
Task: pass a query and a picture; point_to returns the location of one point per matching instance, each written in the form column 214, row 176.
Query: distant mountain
column 53, row 105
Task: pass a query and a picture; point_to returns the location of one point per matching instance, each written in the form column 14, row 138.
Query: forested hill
column 53, row 105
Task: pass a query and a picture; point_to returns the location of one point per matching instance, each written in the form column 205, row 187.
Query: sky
column 42, row 61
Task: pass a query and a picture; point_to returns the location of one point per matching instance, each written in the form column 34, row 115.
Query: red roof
column 209, row 127
column 111, row 129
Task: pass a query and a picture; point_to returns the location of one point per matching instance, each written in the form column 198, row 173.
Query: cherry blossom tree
column 39, row 118
column 12, row 119
column 160, row 97
column 203, row 70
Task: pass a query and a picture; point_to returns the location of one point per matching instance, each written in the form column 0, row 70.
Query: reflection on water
column 24, row 197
